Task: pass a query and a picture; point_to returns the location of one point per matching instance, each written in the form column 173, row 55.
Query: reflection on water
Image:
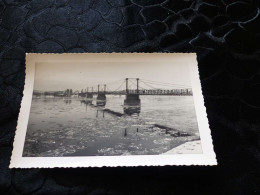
column 89, row 102
column 79, row 126
column 67, row 101
column 100, row 113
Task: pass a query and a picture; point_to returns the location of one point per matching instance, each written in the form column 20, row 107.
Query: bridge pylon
column 90, row 94
column 132, row 99
column 101, row 96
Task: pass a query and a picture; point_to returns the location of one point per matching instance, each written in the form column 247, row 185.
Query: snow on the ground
column 192, row 147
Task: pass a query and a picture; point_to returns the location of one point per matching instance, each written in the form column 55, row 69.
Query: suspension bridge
column 128, row 86
column 132, row 88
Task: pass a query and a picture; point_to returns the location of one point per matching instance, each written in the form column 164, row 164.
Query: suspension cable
column 162, row 83
column 119, row 87
column 149, row 85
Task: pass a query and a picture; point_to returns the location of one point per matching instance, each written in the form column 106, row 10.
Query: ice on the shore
column 191, row 147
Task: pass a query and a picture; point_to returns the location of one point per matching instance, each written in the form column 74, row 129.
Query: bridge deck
column 143, row 93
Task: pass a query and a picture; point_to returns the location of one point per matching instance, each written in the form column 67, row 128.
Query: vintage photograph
column 110, row 106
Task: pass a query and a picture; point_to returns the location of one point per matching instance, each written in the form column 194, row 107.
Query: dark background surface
column 224, row 33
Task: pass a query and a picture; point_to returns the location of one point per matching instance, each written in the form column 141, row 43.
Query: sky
column 50, row 76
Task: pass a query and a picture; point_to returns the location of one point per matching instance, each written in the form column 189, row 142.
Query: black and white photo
column 121, row 106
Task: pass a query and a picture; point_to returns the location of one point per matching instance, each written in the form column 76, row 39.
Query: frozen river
column 70, row 127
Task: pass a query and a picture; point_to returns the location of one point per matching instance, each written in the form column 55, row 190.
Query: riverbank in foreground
column 191, row 147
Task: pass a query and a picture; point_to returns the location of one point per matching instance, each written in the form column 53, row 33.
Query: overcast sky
column 79, row 75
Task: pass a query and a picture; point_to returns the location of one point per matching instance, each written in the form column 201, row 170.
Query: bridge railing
column 161, row 92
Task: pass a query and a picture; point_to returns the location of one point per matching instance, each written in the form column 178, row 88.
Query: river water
column 70, row 127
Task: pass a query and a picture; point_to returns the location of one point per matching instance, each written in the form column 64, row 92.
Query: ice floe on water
column 81, row 129
column 150, row 123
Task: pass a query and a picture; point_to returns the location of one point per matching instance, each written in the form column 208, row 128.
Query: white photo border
column 206, row 158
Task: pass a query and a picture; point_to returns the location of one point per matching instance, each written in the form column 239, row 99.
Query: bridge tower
column 89, row 94
column 132, row 99
column 68, row 93
column 101, row 95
